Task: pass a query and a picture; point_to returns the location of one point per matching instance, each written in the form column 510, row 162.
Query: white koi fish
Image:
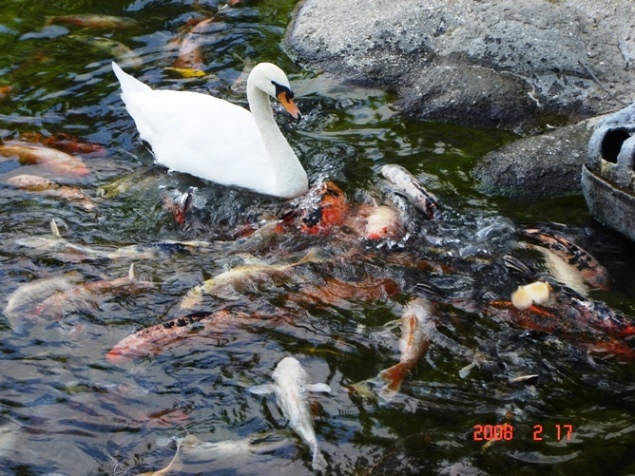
column 291, row 387
column 407, row 184
column 22, row 300
column 89, row 295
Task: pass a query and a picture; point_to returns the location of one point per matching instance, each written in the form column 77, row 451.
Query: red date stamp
column 506, row 432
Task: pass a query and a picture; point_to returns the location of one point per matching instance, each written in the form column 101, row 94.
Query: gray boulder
column 499, row 63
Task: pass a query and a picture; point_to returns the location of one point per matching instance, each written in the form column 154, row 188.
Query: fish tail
column 394, row 376
column 318, row 463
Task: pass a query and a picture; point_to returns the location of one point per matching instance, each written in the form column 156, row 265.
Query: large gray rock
column 537, row 167
column 501, row 63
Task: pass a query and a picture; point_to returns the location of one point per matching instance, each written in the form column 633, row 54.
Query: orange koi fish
column 417, row 325
column 152, row 340
column 330, row 210
column 52, row 159
column 66, row 143
column 190, row 56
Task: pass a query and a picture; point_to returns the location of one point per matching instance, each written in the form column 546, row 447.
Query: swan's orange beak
column 289, row 105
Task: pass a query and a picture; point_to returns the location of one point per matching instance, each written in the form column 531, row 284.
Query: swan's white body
column 218, row 141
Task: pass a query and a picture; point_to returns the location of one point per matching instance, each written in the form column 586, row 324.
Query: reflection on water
column 66, row 409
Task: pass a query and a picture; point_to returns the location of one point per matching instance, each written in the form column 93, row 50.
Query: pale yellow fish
column 534, row 293
column 97, row 21
column 42, row 186
column 227, row 285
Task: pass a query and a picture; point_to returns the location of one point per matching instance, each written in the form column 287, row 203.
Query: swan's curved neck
column 284, row 162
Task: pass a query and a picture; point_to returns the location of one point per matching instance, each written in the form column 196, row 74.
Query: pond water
column 66, row 409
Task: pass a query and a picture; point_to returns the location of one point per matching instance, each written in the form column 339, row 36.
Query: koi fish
column 190, row 56
column 225, row 450
column 533, row 293
column 88, row 295
column 52, row 159
column 322, row 208
column 417, row 325
column 567, row 262
column 336, row 292
column 55, row 242
column 106, row 22
column 379, row 223
column 407, row 184
column 173, row 465
column 291, row 387
column 42, row 186
column 152, row 340
column 5, row 91
column 597, row 314
column 115, row 49
column 26, row 296
column 225, row 285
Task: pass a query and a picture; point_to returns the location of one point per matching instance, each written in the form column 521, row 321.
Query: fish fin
column 318, row 387
column 261, row 389
column 55, row 230
column 395, row 376
column 465, row 371
column 131, row 276
column 514, row 264
column 318, row 463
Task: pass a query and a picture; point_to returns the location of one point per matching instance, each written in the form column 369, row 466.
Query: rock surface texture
column 488, row 63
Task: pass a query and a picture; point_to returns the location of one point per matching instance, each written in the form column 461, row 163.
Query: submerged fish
column 107, row 22
column 20, row 303
column 417, row 325
column 227, row 284
column 407, row 184
column 152, row 340
column 291, row 387
column 89, row 295
column 567, row 262
column 225, row 450
column 66, row 143
column 190, row 56
column 52, row 159
column 42, row 186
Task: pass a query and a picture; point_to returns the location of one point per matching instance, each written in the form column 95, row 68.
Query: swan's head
column 270, row 79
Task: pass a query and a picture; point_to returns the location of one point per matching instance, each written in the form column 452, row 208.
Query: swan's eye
column 288, row 94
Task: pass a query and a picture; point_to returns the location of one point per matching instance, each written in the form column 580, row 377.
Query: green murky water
column 65, row 409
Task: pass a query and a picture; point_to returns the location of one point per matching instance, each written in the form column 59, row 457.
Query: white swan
column 218, row 141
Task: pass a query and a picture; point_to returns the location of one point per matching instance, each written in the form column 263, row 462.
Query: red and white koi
column 407, row 184
column 291, row 387
column 51, row 159
column 567, row 262
column 89, row 295
column 152, row 340
column 378, row 223
column 42, row 186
